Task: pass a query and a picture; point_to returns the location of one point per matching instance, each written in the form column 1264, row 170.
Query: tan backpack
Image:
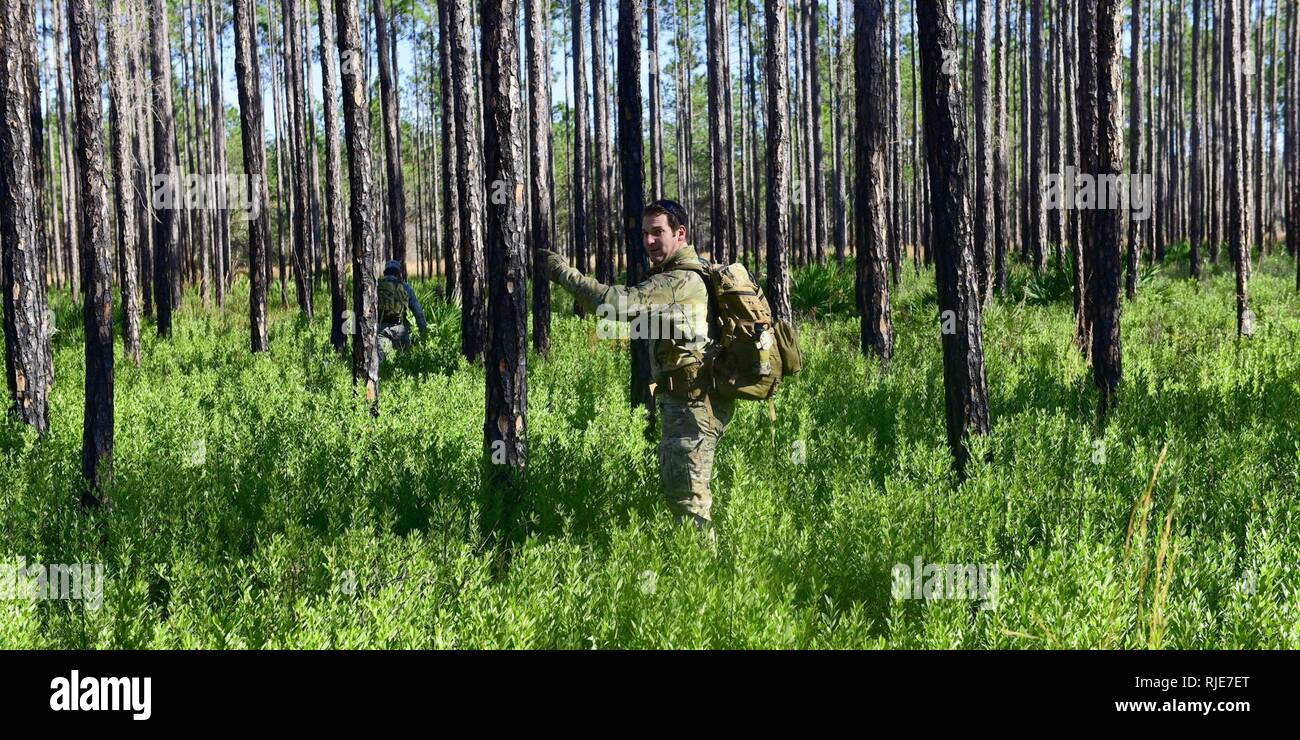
column 750, row 353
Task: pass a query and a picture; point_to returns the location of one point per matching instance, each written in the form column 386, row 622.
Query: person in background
column 396, row 297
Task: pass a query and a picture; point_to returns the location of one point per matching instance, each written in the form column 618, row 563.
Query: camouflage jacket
column 670, row 308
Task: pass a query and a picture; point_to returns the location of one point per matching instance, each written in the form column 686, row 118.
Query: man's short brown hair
column 673, row 210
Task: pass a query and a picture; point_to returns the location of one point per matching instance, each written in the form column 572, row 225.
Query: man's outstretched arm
column 416, row 308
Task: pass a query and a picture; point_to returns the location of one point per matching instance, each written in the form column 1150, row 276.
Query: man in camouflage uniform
column 671, row 308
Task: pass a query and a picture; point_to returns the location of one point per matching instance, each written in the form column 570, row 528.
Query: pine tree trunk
column 656, row 108
column 631, row 166
column 1001, row 135
column 335, row 221
column 1237, row 203
column 356, row 122
column 778, row 158
column 818, row 186
column 248, row 76
column 28, row 363
column 505, row 426
column 97, row 252
column 1108, row 223
column 217, row 114
column 1135, row 129
column 839, row 112
column 983, row 151
column 452, row 236
column 581, row 148
column 298, row 152
column 1086, row 102
column 870, row 179
column 164, row 166
column 1037, row 216
column 538, row 20
column 392, row 140
column 722, row 210
column 122, row 115
column 602, row 204
column 468, row 162
column 965, row 388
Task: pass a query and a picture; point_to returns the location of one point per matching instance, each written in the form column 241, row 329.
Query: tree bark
column 356, row 122
column 164, row 166
column 505, row 426
column 248, row 76
column 631, row 166
column 581, row 150
column 468, row 163
column 722, row 209
column 122, row 115
column 298, row 151
column 965, row 388
column 778, row 159
column 392, row 141
column 29, row 365
column 656, row 127
column 1237, row 203
column 335, row 221
column 452, row 236
column 96, row 251
column 983, row 150
column 602, row 201
column 871, row 178
column 1107, row 162
column 538, row 21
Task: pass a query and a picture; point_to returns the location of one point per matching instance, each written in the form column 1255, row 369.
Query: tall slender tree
column 870, row 204
column 392, row 139
column 335, row 221
column 473, row 325
column 356, row 123
column 1237, row 201
column 248, row 77
column 778, row 158
column 452, row 245
column 164, row 166
column 505, row 426
column 722, row 210
column 1106, row 162
column 122, row 115
column 97, row 252
column 965, row 387
column 631, row 166
column 538, row 20
column 29, row 369
column 656, row 127
column 983, row 149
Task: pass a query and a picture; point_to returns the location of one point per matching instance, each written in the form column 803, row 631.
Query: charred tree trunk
column 965, row 389
column 505, row 426
column 1108, row 223
column 870, row 203
column 452, row 244
column 538, row 20
column 631, row 166
column 778, row 158
column 96, row 252
column 28, row 363
column 356, row 122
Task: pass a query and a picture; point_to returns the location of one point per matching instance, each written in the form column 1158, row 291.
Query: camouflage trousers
column 690, row 437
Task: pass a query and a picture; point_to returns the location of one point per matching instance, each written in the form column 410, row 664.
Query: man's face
column 661, row 241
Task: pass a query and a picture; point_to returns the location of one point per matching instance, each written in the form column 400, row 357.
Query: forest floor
column 255, row 503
